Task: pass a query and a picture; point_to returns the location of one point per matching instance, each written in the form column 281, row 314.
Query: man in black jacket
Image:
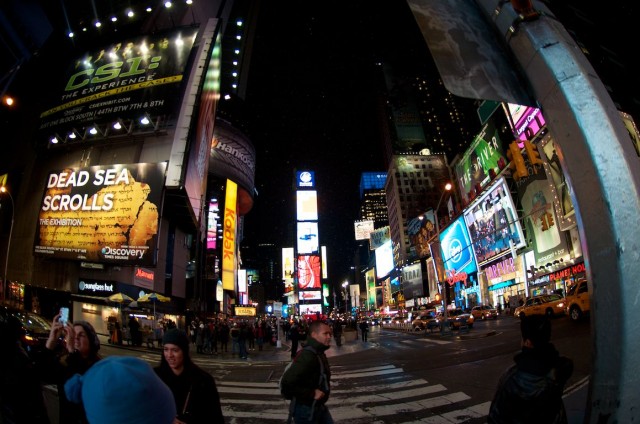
column 307, row 381
column 531, row 390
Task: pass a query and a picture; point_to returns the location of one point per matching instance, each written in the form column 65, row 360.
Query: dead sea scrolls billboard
column 106, row 213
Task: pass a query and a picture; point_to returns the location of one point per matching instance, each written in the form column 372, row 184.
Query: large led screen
column 105, row 213
column 287, row 265
column 363, row 229
column 456, row 249
column 310, row 309
column 308, row 238
column 493, row 223
column 309, row 272
column 384, row 259
column 307, row 205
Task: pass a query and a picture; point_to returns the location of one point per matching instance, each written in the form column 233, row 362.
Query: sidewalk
column 269, row 352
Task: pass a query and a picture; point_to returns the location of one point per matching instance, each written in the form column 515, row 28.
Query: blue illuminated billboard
column 457, row 250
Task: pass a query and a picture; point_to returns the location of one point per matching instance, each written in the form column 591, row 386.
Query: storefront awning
column 502, row 285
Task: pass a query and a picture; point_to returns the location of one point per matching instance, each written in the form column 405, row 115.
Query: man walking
column 364, row 329
column 307, row 381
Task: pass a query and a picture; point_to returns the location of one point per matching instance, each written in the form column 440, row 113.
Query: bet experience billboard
column 105, row 213
column 122, row 80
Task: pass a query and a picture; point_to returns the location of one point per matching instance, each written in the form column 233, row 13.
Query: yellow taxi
column 544, row 304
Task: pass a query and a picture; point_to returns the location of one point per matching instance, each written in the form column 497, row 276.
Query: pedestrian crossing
column 381, row 394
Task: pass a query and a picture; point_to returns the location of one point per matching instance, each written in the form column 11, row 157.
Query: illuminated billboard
column 526, row 121
column 412, row 286
column 493, row 223
column 384, row 259
column 310, row 295
column 287, row 265
column 230, row 231
column 379, row 237
column 309, row 272
column 310, row 309
column 363, row 229
column 121, row 81
column 307, row 205
column 308, row 238
column 105, row 213
column 420, row 231
column 305, row 179
column 212, row 224
column 482, row 158
column 456, row 249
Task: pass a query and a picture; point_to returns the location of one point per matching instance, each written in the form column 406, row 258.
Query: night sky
column 311, row 93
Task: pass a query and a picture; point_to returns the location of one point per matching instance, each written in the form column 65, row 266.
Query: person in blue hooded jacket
column 530, row 391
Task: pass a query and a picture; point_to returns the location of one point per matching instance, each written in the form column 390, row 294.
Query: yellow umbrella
column 153, row 298
column 120, row 298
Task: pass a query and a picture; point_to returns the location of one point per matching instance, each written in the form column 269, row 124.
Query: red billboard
column 309, row 272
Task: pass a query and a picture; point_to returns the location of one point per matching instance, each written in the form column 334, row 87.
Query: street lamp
column 445, row 323
column 3, row 189
column 346, row 296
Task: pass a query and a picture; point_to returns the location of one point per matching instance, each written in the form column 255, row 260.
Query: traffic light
column 547, row 221
column 516, row 164
column 533, row 154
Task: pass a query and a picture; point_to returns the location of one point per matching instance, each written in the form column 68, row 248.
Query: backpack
column 309, row 348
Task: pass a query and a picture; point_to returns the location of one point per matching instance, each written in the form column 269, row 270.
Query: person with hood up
column 530, row 391
column 196, row 396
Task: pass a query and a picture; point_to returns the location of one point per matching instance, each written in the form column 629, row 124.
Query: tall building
column 141, row 103
column 414, row 185
column 373, row 201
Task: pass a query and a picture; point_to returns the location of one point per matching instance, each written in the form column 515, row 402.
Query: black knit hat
column 177, row 337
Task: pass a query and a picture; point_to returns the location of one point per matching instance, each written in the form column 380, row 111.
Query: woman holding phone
column 72, row 348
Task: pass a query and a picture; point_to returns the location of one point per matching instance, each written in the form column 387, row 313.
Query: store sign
column 94, row 287
column 245, row 311
column 500, row 269
column 567, row 272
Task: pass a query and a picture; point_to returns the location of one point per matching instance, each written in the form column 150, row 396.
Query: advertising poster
column 306, row 205
column 308, row 237
column 379, row 237
column 412, row 281
column 483, row 156
column 371, row 288
column 559, row 187
column 431, row 277
column 309, row 272
column 493, row 223
column 363, row 229
column 106, row 213
column 457, row 251
column 384, row 259
column 421, row 230
column 122, row 80
column 541, row 221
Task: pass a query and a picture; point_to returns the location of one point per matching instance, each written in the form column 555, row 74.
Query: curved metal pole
column 604, row 170
column 6, row 259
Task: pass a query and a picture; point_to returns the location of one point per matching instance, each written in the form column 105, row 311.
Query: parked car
column 545, row 304
column 426, row 321
column 578, row 300
column 484, row 312
column 34, row 330
column 457, row 318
